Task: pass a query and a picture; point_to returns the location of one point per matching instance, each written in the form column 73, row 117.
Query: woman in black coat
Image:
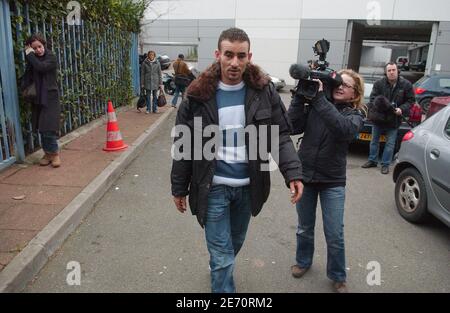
column 328, row 128
column 41, row 70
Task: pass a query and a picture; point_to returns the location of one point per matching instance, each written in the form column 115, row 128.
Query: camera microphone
column 298, row 71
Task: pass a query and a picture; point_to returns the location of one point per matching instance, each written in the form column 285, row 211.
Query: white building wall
column 274, row 26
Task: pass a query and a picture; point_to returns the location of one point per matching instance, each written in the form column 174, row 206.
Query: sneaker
column 385, row 169
column 147, row 112
column 340, row 287
column 369, row 164
column 298, row 271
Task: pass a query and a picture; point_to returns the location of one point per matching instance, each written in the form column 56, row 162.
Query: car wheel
column 425, row 104
column 411, row 196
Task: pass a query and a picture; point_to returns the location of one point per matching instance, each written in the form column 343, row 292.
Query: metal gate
column 11, row 144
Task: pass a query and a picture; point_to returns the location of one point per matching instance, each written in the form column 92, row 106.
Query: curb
column 27, row 264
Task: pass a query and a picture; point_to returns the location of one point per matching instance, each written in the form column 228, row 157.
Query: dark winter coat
column 151, row 77
column 263, row 106
column 401, row 96
column 46, row 109
column 328, row 129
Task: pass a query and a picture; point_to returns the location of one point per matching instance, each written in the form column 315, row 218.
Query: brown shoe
column 56, row 160
column 46, row 160
column 298, row 271
column 340, row 287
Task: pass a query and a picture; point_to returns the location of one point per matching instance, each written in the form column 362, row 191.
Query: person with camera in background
column 182, row 78
column 328, row 128
column 391, row 98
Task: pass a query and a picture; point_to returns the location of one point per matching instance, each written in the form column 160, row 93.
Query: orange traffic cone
column 114, row 141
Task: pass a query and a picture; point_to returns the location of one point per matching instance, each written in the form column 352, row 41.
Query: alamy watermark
column 374, row 13
column 374, row 276
column 213, row 143
column 73, row 278
column 74, row 15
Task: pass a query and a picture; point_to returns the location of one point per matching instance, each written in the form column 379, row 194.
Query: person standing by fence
column 151, row 80
column 41, row 72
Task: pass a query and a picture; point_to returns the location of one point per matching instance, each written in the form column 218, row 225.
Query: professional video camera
column 330, row 79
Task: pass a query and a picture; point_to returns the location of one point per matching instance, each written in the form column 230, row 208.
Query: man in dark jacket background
column 225, row 191
column 397, row 91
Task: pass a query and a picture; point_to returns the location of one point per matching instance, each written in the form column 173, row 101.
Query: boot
column 55, row 159
column 46, row 159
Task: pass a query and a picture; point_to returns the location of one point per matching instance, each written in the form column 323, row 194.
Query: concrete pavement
column 136, row 241
column 41, row 206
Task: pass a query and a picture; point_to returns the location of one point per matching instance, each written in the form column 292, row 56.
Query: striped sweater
column 232, row 161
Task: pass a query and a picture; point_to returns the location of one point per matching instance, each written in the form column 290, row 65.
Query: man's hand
column 296, row 187
column 180, row 203
column 398, row 111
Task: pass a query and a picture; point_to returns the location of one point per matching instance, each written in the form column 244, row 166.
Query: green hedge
column 94, row 58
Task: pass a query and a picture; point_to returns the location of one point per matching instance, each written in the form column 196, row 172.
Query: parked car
column 436, row 104
column 403, row 63
column 421, row 173
column 430, row 86
column 365, row 135
column 419, row 67
column 278, row 82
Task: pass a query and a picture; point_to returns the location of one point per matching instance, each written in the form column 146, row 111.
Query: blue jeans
column 155, row 100
column 226, row 225
column 178, row 90
column 332, row 203
column 49, row 141
column 391, row 134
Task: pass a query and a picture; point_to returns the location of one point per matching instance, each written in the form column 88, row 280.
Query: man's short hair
column 391, row 63
column 181, row 56
column 233, row 34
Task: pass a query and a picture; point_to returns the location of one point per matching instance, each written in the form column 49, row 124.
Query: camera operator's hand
column 320, row 84
column 398, row 111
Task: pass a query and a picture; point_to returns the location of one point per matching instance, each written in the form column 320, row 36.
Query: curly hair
column 35, row 37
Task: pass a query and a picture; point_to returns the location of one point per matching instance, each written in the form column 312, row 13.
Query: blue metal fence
column 11, row 145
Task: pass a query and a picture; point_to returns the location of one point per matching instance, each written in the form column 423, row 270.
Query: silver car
column 422, row 170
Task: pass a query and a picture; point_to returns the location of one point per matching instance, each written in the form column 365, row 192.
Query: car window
column 444, row 82
column 421, row 81
column 447, row 128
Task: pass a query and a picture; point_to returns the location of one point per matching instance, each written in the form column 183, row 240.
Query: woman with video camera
column 327, row 129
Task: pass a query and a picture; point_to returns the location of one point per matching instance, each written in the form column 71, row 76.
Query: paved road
column 136, row 241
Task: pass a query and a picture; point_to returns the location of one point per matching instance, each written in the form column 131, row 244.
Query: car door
column 438, row 160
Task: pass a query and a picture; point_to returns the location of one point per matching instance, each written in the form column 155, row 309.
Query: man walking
column 182, row 78
column 231, row 94
column 391, row 98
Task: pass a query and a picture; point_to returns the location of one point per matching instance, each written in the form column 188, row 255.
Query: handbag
column 142, row 100
column 162, row 101
column 182, row 81
column 29, row 93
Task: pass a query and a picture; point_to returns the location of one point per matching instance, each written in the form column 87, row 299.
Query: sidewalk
column 33, row 197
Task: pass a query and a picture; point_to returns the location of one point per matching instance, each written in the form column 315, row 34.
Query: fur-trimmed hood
column 205, row 86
